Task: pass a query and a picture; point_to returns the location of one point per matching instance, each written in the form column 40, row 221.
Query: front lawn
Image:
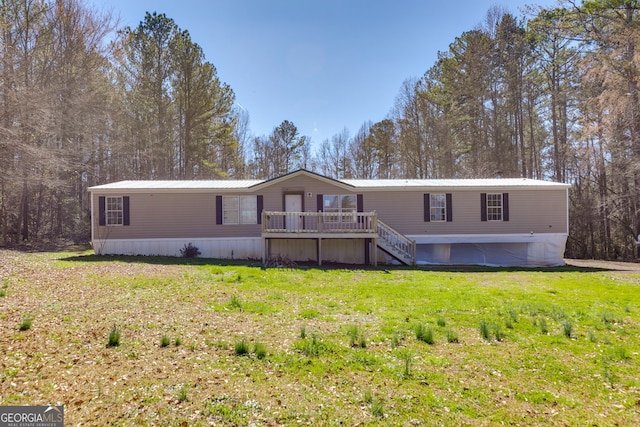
column 204, row 342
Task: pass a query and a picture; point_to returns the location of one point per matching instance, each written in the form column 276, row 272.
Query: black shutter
column 427, row 207
column 102, row 211
column 359, row 203
column 449, row 207
column 218, row 209
column 505, row 206
column 260, row 203
column 319, row 199
column 483, row 206
column 126, row 220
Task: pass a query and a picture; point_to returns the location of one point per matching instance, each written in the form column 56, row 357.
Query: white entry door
column 293, row 203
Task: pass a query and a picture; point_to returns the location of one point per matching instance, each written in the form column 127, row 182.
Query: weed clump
column 25, row 325
column 425, row 334
column 241, row 348
column 485, row 330
column 356, row 337
column 567, row 328
column 544, row 328
column 407, row 358
column 260, row 350
column 164, row 341
column 114, row 337
column 452, row 336
column 235, row 303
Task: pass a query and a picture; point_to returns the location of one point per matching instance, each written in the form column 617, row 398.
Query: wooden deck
column 329, row 225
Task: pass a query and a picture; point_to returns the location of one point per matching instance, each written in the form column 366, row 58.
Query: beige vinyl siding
column 172, row 215
column 308, row 186
column 538, row 211
column 176, row 213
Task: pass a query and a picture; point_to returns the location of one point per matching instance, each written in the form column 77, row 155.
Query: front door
column 293, row 203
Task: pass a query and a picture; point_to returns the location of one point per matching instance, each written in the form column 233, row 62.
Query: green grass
column 520, row 368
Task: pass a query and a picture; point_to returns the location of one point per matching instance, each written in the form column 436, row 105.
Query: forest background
column 552, row 95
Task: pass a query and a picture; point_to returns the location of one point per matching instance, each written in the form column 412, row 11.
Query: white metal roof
column 355, row 183
column 481, row 182
column 179, row 185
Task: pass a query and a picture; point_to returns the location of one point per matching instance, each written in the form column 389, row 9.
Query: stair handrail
column 397, row 241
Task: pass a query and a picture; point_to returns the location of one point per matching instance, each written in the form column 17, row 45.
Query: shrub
column 189, row 251
column 178, row 342
column 303, row 332
column 114, row 337
column 441, row 322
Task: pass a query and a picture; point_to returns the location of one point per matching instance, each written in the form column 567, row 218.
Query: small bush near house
column 189, row 251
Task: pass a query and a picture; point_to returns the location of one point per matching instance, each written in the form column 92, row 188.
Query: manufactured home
column 305, row 216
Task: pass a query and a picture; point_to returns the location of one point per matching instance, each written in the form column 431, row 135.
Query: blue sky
column 322, row 64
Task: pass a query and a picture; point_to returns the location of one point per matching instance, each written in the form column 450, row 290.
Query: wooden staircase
column 396, row 244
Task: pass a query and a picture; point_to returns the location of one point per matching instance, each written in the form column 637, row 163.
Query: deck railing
column 319, row 222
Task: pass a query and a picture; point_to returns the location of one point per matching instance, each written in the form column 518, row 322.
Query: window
column 239, row 209
column 344, row 207
column 114, row 211
column 494, row 207
column 438, row 207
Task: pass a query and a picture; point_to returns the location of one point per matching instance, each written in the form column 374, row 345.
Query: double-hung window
column 114, row 211
column 494, row 207
column 438, row 207
column 239, row 209
column 343, row 207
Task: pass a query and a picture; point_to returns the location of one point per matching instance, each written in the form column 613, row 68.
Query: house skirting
column 221, row 248
column 534, row 250
column 524, row 250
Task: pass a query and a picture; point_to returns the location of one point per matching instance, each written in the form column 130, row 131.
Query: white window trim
column 433, row 208
column 500, row 207
column 108, row 211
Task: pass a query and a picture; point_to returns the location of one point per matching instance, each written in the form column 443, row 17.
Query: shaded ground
column 604, row 265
